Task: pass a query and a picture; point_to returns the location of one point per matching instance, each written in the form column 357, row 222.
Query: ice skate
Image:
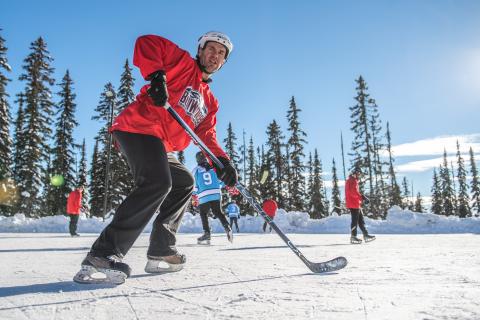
column 368, row 238
column 102, row 270
column 355, row 240
column 229, row 233
column 173, row 263
column 205, row 239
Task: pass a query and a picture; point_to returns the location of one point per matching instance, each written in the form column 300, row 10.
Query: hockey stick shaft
column 245, row 193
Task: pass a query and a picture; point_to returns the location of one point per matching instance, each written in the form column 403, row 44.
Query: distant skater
column 270, row 207
column 74, row 205
column 353, row 199
column 233, row 211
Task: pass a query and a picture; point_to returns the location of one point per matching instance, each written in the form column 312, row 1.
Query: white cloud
column 436, row 145
column 419, row 166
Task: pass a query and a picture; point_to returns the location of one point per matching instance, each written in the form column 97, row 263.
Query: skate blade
column 92, row 275
column 356, row 242
column 369, row 240
column 153, row 266
column 204, row 242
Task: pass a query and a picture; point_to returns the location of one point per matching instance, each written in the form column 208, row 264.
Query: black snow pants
column 162, row 184
column 72, row 227
column 357, row 219
column 232, row 221
column 217, row 212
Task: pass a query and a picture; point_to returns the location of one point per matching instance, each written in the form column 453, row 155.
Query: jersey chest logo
column 193, row 104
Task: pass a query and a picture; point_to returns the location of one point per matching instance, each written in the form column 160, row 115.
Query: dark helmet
column 357, row 169
column 201, row 157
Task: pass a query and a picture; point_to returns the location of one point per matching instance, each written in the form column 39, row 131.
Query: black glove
column 228, row 174
column 365, row 199
column 158, row 88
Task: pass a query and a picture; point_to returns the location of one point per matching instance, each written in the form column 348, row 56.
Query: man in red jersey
column 146, row 135
column 353, row 199
column 74, row 205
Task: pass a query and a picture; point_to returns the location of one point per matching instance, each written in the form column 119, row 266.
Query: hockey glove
column 365, row 199
column 228, row 174
column 158, row 88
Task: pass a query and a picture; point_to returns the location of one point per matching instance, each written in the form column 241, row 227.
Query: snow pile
column 398, row 221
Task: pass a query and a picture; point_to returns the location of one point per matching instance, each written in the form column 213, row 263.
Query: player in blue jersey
column 233, row 211
column 208, row 190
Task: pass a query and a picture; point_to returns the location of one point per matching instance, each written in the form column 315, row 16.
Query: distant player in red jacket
column 146, row 135
column 74, row 204
column 270, row 207
column 353, row 199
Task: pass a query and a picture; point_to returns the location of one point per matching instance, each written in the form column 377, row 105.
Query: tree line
column 39, row 148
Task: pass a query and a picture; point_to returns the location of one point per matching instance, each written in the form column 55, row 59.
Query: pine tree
column 82, row 179
column 406, row 194
column 5, row 117
column 309, row 184
column 97, row 183
column 125, row 93
column 379, row 203
column 231, row 147
column 437, row 202
column 99, row 167
column 454, row 196
column 269, row 184
column 121, row 178
column 275, row 143
column 296, row 155
column 362, row 148
column 64, row 147
column 474, row 184
column 317, row 193
column 463, row 206
column 19, row 140
column 395, row 195
column 336, row 198
column 38, row 112
column 418, row 203
column 287, row 193
column 447, row 188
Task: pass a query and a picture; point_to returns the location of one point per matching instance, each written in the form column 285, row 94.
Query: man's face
column 212, row 56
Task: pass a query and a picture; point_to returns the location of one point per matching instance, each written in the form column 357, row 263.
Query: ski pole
column 327, row 266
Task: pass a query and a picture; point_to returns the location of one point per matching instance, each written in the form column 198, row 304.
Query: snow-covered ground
column 422, row 266
column 256, row 277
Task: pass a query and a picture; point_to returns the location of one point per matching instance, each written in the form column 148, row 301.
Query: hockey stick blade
column 328, row 266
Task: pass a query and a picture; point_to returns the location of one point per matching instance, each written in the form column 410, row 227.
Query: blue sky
column 421, row 61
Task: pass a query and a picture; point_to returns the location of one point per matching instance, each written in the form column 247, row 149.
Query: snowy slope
column 398, row 221
column 257, row 277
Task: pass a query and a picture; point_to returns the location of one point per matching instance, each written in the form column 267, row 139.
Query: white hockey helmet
column 218, row 37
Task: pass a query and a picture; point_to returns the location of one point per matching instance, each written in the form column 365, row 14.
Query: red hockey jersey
column 353, row 198
column 74, row 202
column 270, row 207
column 188, row 95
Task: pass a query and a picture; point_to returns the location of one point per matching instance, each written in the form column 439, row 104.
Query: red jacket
column 74, row 202
column 188, row 95
column 353, row 198
column 270, row 207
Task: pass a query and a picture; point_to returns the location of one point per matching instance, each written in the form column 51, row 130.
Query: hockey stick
column 319, row 267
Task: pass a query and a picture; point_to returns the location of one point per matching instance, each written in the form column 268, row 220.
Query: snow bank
column 398, row 221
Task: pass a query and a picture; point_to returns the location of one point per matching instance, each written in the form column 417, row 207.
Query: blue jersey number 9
column 207, row 178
